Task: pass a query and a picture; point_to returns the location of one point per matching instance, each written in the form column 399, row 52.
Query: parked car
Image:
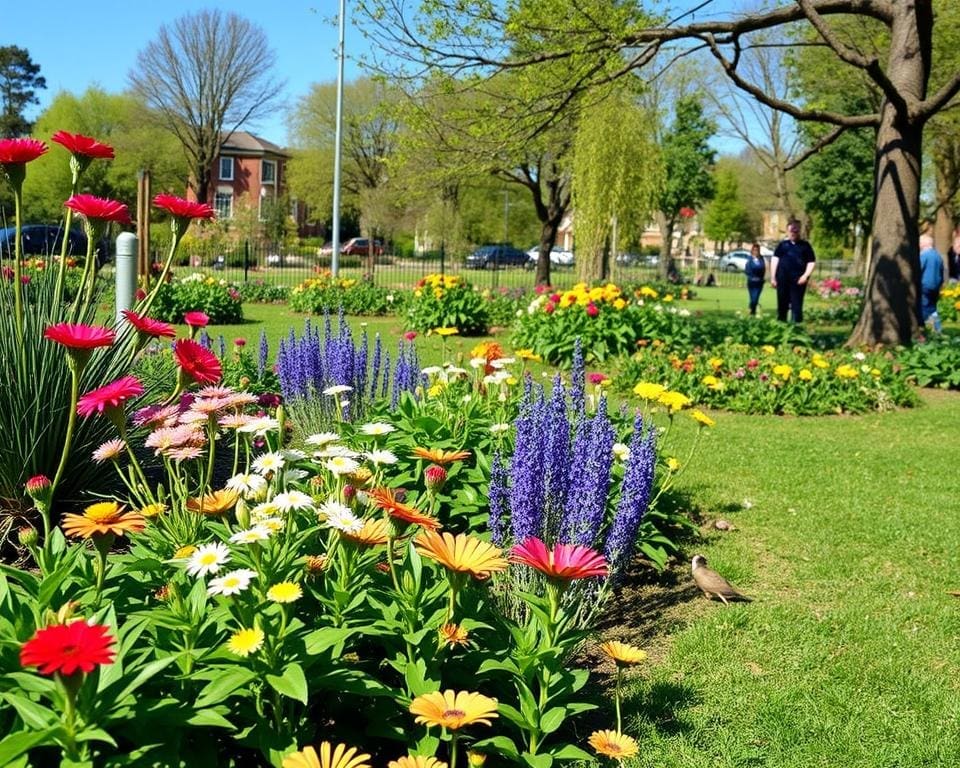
column 494, row 256
column 558, row 256
column 360, row 246
column 637, row 259
column 734, row 261
column 47, row 240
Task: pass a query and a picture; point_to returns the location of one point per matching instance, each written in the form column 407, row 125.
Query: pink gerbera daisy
column 99, row 208
column 20, row 151
column 79, row 336
column 183, row 209
column 196, row 319
column 564, row 562
column 148, row 327
column 108, row 398
column 198, row 363
column 86, row 146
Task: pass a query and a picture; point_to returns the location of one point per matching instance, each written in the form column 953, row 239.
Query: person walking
column 931, row 279
column 756, row 270
column 790, row 269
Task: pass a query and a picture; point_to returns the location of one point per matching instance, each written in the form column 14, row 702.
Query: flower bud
column 476, row 759
column 434, row 476
column 28, row 536
column 40, row 489
column 316, row 564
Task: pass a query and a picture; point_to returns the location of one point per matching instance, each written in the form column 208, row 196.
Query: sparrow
column 712, row 584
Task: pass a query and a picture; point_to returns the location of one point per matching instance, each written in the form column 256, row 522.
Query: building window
column 226, row 169
column 268, row 172
column 223, row 203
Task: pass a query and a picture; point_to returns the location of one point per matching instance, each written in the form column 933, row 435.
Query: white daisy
column 291, row 500
column 208, row 558
column 341, row 465
column 621, row 451
column 268, row 462
column 251, row 535
column 452, row 370
column 378, row 428
column 478, row 362
column 272, row 524
column 260, row 425
column 336, row 450
column 263, row 512
column 431, row 370
column 502, row 362
column 382, row 457
column 322, row 438
column 337, row 389
column 339, row 517
column 247, row 485
column 232, row 583
column 500, row 428
column 293, row 454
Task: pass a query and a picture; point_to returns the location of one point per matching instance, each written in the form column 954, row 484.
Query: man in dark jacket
column 790, row 269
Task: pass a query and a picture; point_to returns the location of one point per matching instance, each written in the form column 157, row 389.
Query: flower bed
column 325, row 293
column 217, row 299
column 448, row 301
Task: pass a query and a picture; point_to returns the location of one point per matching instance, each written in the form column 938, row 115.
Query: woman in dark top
column 756, row 269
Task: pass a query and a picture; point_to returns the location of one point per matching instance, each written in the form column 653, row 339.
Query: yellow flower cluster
column 437, row 284
column 325, row 280
column 581, row 295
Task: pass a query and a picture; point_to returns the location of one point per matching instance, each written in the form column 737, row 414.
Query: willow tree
column 617, row 177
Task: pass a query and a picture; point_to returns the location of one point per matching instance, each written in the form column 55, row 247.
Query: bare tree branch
column 938, row 101
column 824, row 141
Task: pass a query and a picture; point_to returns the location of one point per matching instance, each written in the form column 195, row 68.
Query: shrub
column 325, row 293
column 949, row 305
column 217, row 298
column 933, row 363
column 448, row 301
column 257, row 291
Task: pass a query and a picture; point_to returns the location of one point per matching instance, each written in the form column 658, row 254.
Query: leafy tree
column 611, row 182
column 726, row 219
column 116, row 119
column 461, row 36
column 687, row 162
column 19, row 81
column 206, row 75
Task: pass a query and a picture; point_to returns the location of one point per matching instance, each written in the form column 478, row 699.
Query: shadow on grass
column 658, row 705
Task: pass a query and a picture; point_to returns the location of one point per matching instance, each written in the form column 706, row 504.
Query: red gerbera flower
column 196, row 319
column 183, row 209
column 66, row 648
column 199, row 363
column 79, row 336
column 83, row 145
column 564, row 562
column 148, row 326
column 111, row 396
column 20, row 151
column 99, row 208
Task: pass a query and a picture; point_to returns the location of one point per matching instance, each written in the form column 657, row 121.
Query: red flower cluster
column 183, row 209
column 564, row 562
column 113, row 395
column 99, row 208
column 67, row 648
column 199, row 363
column 20, row 151
column 79, row 336
column 148, row 326
column 687, row 213
column 83, row 145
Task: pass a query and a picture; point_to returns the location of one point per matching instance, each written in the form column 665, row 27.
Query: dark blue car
column 47, row 240
column 495, row 256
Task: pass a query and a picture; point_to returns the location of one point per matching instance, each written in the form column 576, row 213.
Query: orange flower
column 387, row 500
column 215, row 503
column 340, row 756
column 453, row 709
column 454, row 634
column 416, row 761
column 105, row 517
column 439, row 456
column 461, row 553
column 623, row 653
column 613, row 744
column 373, row 533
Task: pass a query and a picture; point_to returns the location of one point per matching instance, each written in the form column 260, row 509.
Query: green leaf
column 571, row 752
column 18, row 743
column 537, row 761
column 292, row 683
column 325, row 638
column 225, row 683
column 501, row 745
column 34, row 715
column 552, row 719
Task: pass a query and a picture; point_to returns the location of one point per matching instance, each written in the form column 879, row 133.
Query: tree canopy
column 20, row 80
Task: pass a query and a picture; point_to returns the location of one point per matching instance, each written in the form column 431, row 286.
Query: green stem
column 17, row 284
column 71, row 426
column 69, row 717
column 85, row 290
column 62, row 267
column 144, row 307
column 616, row 701
column 453, row 749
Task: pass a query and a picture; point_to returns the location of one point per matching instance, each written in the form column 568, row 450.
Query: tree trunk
column 666, row 234
column 891, row 311
column 947, row 182
column 548, row 238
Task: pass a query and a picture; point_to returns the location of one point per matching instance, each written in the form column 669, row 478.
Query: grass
column 849, row 654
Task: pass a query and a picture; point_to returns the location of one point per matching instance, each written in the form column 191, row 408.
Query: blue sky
column 97, row 42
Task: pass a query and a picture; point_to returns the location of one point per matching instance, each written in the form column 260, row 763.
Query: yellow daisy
column 285, row 592
column 246, row 641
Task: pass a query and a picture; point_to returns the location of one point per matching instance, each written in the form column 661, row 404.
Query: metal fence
column 290, row 266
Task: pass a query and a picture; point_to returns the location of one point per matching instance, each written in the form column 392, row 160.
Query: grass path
column 850, row 654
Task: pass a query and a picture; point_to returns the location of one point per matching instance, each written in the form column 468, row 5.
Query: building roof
column 244, row 143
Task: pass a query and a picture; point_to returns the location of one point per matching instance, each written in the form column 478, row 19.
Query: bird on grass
column 712, row 584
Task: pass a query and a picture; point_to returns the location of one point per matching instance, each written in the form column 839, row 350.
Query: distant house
column 246, row 167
